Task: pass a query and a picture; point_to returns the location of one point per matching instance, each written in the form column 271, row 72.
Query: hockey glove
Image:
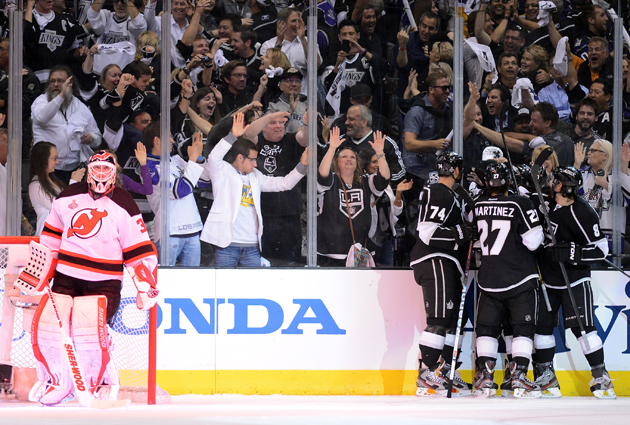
column 565, row 252
column 145, row 284
column 463, row 233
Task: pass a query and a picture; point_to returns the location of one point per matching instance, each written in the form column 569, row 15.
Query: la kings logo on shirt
column 51, row 39
column 270, row 152
column 114, row 37
column 354, row 204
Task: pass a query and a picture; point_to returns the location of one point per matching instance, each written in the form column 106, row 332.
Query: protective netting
column 130, row 333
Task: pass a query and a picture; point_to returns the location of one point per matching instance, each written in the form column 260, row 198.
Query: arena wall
column 294, row 331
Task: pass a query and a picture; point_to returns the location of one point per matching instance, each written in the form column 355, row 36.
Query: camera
column 345, row 46
column 205, row 60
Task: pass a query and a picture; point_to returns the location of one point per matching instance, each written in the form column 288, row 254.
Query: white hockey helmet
column 101, row 173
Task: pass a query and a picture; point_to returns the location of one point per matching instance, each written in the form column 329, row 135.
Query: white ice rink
column 330, row 410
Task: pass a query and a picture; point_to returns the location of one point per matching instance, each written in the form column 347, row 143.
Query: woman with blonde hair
column 598, row 182
column 535, row 66
column 273, row 63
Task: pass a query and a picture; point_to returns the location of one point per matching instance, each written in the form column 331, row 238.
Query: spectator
column 359, row 136
column 426, row 128
column 235, row 92
column 125, row 23
column 361, row 94
column 235, row 222
column 273, row 64
column 148, row 52
column 368, row 22
column 601, row 92
column 413, row 49
column 58, row 115
column 344, row 198
column 357, row 65
column 585, row 119
column 244, row 45
column 595, row 21
column 49, row 37
column 264, row 17
column 543, row 122
column 291, row 38
column 598, row 65
column 31, row 88
column 498, row 112
column 279, row 152
column 535, row 67
column 44, row 185
column 185, row 226
column 290, row 100
column 134, row 96
column 508, row 73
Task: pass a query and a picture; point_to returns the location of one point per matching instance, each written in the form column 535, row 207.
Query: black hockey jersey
column 440, row 211
column 577, row 223
column 509, row 232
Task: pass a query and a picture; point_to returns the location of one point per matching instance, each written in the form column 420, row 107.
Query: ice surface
column 330, row 410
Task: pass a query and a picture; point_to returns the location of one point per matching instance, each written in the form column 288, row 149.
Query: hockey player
column 509, row 232
column 579, row 243
column 93, row 228
column 437, row 268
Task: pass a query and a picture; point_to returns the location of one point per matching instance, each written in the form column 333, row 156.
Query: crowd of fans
column 538, row 72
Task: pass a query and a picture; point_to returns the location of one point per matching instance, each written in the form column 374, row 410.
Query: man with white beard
column 61, row 118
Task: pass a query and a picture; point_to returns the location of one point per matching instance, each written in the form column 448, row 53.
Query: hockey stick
column 504, row 118
column 619, row 269
column 78, row 380
column 459, row 323
column 542, row 157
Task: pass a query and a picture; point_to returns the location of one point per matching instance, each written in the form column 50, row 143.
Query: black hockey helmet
column 498, row 175
column 570, row 178
column 447, row 162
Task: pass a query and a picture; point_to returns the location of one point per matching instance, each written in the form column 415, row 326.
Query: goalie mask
column 447, row 162
column 570, row 178
column 101, row 174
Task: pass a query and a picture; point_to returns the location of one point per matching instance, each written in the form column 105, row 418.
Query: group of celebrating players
column 526, row 273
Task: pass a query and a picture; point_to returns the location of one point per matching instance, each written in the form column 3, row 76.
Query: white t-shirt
column 245, row 229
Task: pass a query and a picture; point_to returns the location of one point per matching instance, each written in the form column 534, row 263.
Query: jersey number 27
column 489, row 247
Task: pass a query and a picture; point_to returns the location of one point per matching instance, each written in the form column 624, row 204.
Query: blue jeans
column 232, row 256
column 186, row 250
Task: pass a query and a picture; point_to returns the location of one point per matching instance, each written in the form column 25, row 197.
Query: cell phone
column 345, row 46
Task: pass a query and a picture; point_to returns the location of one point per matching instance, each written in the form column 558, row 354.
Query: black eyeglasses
column 442, row 87
column 252, row 159
column 596, row 150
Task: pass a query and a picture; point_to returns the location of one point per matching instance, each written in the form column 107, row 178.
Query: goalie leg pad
column 54, row 380
column 91, row 339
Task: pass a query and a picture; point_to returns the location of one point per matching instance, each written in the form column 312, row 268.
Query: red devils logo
column 86, row 223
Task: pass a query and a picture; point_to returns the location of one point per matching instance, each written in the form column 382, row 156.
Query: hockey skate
column 521, row 385
column 483, row 385
column 460, row 387
column 545, row 377
column 506, row 385
column 430, row 383
column 56, row 394
column 602, row 386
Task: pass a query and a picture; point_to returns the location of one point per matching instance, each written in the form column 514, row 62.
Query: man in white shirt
column 61, row 118
column 125, row 23
column 291, row 39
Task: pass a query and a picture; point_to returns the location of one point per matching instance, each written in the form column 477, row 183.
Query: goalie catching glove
column 145, row 284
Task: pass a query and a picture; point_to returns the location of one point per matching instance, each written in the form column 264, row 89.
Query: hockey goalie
column 93, row 229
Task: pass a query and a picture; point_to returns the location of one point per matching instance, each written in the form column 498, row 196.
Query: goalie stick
column 459, row 323
column 78, row 378
column 542, row 157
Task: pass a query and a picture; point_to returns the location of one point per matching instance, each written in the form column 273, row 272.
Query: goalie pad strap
column 39, row 269
column 91, row 340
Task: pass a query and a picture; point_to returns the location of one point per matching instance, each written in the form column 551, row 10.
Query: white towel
column 517, row 98
column 484, row 54
column 543, row 12
column 561, row 60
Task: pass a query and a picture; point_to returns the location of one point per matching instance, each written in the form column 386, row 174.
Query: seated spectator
column 185, row 225
column 345, row 194
column 235, row 222
column 347, row 68
column 44, row 185
column 235, row 92
column 535, row 67
column 291, row 38
column 290, row 100
column 59, row 115
column 585, row 119
column 125, row 23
